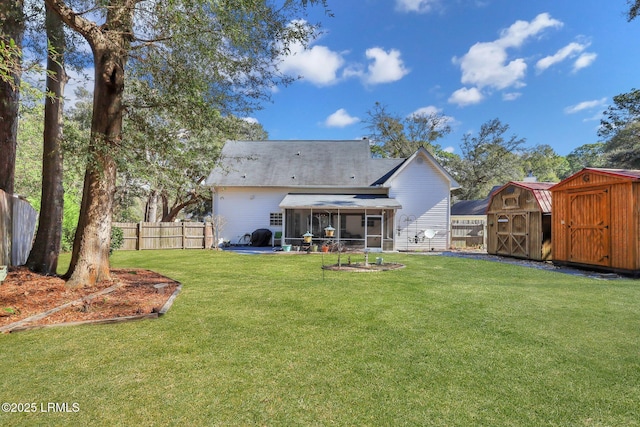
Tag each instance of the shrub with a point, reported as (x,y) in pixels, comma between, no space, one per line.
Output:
(117,239)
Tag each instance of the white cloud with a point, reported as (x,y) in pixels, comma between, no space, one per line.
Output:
(449,149)
(426,111)
(511,96)
(487,64)
(584,61)
(569,51)
(316,64)
(419,6)
(251,120)
(340,119)
(520,31)
(323,67)
(466,96)
(386,67)
(586,105)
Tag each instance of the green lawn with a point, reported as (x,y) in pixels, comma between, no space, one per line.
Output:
(271,340)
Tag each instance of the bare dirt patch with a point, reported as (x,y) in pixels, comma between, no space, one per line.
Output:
(131,292)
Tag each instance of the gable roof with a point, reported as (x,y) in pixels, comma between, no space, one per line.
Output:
(301,164)
(631,174)
(540,191)
(621,175)
(422,152)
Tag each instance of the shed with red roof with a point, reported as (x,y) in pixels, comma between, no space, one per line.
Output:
(519,220)
(596,215)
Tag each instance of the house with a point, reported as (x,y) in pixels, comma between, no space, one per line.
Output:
(519,220)
(298,187)
(596,220)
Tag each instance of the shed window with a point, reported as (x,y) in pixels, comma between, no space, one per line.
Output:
(275,218)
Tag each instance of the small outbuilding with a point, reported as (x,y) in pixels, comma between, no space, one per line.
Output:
(519,221)
(596,220)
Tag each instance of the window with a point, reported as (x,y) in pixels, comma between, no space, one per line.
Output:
(275,218)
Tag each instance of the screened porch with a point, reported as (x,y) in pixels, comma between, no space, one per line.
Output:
(353,221)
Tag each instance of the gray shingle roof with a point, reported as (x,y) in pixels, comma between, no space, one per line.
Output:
(301,163)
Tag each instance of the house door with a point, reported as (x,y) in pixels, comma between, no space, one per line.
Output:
(373,231)
(589,236)
(513,234)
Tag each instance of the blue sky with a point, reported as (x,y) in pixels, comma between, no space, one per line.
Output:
(547,68)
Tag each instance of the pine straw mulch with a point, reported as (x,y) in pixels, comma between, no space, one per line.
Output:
(130,294)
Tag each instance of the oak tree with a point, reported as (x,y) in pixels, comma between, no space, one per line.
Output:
(620,129)
(488,159)
(222,53)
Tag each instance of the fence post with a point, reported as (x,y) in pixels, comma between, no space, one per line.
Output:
(208,235)
(184,235)
(139,236)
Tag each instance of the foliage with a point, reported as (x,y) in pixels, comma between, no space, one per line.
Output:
(397,137)
(70,218)
(544,164)
(634,9)
(267,340)
(488,159)
(587,155)
(626,110)
(621,129)
(29,161)
(170,160)
(10,60)
(194,60)
(28,178)
(117,239)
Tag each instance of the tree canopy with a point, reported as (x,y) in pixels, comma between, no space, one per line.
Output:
(489,158)
(621,130)
(395,136)
(193,60)
(634,9)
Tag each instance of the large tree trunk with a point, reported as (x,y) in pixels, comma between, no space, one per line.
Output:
(90,256)
(110,45)
(11,28)
(43,257)
(151,213)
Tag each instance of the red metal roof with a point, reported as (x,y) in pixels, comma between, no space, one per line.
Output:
(624,173)
(540,191)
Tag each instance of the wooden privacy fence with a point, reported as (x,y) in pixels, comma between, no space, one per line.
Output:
(468,233)
(17,226)
(165,235)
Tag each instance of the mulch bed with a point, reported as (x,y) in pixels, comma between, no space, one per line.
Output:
(29,300)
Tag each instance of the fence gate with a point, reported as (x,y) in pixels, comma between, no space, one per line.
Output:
(513,234)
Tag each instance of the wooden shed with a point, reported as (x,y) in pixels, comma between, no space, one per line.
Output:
(519,221)
(595,220)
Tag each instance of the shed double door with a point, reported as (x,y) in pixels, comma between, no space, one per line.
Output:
(588,227)
(513,234)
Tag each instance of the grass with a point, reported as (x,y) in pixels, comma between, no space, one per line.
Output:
(272,340)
